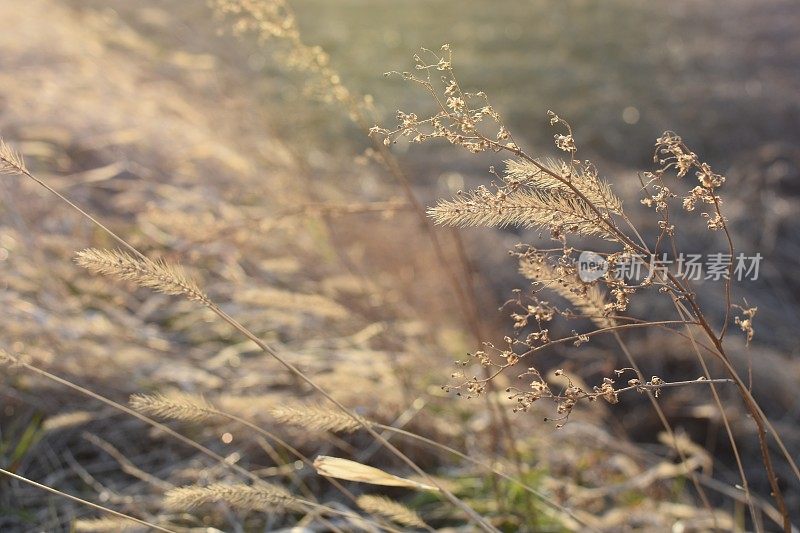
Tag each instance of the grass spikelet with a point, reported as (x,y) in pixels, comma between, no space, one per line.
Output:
(157,275)
(11,161)
(177,406)
(394,511)
(527,208)
(103,525)
(316,418)
(265,497)
(352,471)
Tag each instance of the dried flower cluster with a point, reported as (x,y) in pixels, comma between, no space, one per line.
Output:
(672,154)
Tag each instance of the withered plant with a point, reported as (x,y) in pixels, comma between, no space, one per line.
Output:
(567,200)
(564,198)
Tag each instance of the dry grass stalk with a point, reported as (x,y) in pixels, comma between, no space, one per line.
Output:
(177,405)
(158,275)
(394,511)
(126,464)
(265,497)
(316,418)
(339,468)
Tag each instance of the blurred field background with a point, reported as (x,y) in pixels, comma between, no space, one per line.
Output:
(203,148)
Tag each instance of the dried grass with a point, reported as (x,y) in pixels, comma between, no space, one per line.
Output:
(278,263)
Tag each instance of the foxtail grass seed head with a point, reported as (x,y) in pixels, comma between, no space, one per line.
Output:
(265,497)
(176,406)
(316,418)
(394,511)
(11,161)
(158,275)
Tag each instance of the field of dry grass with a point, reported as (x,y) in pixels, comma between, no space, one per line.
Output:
(334,316)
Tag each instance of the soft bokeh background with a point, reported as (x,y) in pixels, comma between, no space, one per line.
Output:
(201,147)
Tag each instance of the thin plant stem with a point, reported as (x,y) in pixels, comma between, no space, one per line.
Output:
(85,502)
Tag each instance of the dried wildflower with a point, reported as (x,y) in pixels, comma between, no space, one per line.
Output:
(565,143)
(745,322)
(708,178)
(714,221)
(607,392)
